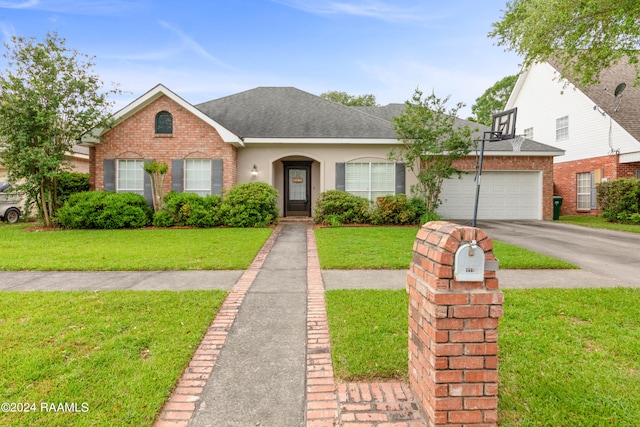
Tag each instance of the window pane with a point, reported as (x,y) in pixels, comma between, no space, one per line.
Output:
(584,191)
(197,176)
(383,177)
(164,123)
(297,184)
(562,128)
(370,180)
(357,177)
(130,176)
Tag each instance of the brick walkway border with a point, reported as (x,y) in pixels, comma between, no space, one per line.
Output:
(180,407)
(350,404)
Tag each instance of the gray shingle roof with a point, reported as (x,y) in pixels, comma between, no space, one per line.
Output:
(287,112)
(387,112)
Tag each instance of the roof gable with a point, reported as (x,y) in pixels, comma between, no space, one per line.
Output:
(625,110)
(152,95)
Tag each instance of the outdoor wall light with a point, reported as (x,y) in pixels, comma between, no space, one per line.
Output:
(254,171)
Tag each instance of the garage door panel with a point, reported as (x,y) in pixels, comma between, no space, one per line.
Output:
(503,195)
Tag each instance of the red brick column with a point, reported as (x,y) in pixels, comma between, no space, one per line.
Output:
(453,349)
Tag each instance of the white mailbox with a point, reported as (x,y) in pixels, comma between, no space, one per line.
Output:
(469,263)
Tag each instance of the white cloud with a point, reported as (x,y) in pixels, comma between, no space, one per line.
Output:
(193,46)
(76,7)
(19,5)
(398,11)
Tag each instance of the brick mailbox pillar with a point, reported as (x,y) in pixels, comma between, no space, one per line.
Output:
(453,337)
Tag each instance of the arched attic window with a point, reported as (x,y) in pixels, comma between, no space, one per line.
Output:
(164,123)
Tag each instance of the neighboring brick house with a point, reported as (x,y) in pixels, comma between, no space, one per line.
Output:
(302,145)
(599,131)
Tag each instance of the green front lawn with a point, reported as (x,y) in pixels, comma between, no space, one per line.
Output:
(598,222)
(567,357)
(129,250)
(116,355)
(348,248)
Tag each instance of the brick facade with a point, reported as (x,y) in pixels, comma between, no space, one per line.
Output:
(566,184)
(135,138)
(519,163)
(453,330)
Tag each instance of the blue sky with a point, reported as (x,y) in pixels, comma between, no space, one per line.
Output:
(207,49)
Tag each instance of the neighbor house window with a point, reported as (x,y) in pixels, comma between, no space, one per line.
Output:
(370,180)
(638,173)
(130,176)
(562,128)
(197,176)
(164,123)
(528,133)
(584,190)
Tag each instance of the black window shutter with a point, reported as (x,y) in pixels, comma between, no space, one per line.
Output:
(216,177)
(340,177)
(177,180)
(109,166)
(400,178)
(148,195)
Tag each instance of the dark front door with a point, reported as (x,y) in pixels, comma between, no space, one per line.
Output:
(297,188)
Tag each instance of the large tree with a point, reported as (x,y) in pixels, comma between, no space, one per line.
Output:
(366,100)
(581,37)
(493,100)
(48,98)
(431,142)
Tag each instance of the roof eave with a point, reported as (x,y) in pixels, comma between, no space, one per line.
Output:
(92,138)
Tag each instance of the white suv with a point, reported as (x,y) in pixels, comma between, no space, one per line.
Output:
(9,204)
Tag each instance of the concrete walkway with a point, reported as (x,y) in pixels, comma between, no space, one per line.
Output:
(259,378)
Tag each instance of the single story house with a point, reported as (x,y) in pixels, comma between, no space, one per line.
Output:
(302,145)
(598,127)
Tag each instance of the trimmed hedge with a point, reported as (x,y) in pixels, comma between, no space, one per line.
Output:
(250,205)
(100,209)
(189,209)
(398,210)
(620,200)
(336,207)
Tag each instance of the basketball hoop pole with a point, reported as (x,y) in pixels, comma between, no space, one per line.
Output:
(492,137)
(503,127)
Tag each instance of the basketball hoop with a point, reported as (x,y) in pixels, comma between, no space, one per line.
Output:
(516,143)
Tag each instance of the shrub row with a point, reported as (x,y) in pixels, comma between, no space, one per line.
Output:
(336,207)
(620,200)
(245,205)
(101,209)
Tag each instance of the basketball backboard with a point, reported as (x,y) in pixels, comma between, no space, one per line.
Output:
(503,125)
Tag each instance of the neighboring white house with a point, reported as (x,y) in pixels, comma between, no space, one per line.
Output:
(597,127)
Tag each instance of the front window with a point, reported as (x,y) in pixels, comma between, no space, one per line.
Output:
(584,191)
(562,128)
(130,176)
(164,123)
(370,180)
(197,176)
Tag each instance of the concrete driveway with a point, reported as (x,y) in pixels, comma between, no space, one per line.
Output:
(610,256)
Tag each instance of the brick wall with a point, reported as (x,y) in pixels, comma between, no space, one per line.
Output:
(519,163)
(565,178)
(453,336)
(135,138)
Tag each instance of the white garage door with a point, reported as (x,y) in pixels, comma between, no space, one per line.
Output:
(503,195)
